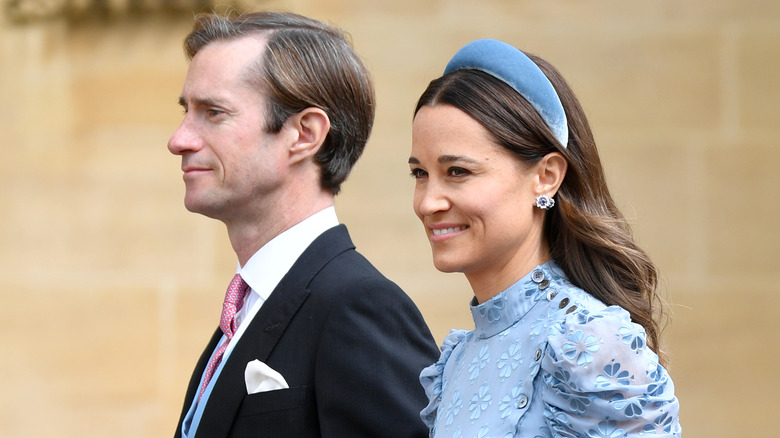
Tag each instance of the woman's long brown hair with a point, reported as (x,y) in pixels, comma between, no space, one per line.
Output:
(588,236)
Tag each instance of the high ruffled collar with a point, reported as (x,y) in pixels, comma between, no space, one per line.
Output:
(507,308)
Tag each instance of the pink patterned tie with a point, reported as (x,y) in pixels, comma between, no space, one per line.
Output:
(234,300)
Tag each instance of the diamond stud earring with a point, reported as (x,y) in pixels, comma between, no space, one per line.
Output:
(544,202)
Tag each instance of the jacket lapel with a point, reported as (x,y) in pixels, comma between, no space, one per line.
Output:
(194,385)
(265,330)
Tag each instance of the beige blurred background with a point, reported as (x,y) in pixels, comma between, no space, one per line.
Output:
(109,289)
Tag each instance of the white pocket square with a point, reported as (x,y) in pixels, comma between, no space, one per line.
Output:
(259,377)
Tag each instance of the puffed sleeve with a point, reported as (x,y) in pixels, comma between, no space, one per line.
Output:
(431,377)
(603,381)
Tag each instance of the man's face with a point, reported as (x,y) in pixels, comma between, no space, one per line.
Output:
(232,167)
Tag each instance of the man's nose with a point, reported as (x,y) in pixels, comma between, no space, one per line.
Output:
(184,139)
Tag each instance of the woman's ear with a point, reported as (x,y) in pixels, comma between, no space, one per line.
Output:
(311,126)
(551,170)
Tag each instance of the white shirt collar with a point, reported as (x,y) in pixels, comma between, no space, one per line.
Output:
(265,269)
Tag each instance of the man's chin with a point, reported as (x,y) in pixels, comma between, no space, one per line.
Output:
(200,207)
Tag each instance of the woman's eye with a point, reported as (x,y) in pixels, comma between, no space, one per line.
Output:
(418,173)
(457,171)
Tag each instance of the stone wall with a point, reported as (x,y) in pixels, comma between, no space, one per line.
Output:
(110,289)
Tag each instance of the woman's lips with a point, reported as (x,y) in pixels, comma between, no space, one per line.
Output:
(446,231)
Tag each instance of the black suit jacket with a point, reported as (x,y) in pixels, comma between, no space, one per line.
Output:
(349,342)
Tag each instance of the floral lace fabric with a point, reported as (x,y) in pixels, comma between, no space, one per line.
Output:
(548,360)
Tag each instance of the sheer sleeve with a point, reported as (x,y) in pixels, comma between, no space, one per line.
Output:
(603,381)
(431,377)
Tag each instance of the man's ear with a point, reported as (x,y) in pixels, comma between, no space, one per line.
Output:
(310,127)
(551,170)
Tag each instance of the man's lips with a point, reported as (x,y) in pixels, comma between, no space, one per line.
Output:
(194,170)
(188,169)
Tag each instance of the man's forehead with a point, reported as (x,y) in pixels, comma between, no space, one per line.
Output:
(252,44)
(223,63)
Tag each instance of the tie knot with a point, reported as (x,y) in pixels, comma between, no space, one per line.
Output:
(236,291)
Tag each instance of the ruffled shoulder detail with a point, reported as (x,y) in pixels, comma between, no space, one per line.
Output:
(431,377)
(603,380)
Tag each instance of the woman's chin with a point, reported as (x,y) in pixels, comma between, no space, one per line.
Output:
(447,266)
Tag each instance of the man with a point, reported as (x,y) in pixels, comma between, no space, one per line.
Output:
(313,340)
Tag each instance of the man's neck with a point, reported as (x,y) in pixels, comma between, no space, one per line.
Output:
(248,236)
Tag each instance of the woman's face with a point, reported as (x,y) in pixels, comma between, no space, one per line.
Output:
(475,200)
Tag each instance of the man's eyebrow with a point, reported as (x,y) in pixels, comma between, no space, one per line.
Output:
(201,101)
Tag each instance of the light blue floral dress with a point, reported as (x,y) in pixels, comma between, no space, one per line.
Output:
(546,359)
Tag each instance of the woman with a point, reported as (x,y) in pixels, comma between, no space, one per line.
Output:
(511,193)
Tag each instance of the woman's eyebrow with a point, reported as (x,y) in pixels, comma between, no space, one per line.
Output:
(445,159)
(453,158)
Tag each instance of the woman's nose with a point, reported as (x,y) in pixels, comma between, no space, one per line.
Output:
(430,199)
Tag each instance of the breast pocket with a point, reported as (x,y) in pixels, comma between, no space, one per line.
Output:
(274,401)
(280,413)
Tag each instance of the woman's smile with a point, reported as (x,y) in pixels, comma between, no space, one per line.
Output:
(440,233)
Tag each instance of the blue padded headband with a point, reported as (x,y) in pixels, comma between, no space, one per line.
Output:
(513,67)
